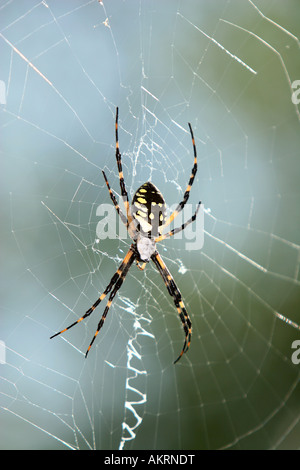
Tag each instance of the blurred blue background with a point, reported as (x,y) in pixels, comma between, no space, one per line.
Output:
(228,68)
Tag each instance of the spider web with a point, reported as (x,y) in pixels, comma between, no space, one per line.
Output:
(230,68)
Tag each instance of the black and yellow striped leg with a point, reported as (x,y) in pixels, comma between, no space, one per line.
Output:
(188,189)
(121,176)
(175,293)
(141,267)
(179,229)
(113,281)
(115,202)
(130,259)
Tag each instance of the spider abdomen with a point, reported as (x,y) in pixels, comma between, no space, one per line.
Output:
(148,210)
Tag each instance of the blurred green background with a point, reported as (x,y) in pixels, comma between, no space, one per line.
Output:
(227,67)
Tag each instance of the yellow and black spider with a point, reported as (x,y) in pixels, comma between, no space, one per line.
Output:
(145,222)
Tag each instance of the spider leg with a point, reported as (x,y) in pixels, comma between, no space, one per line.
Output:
(121,176)
(175,293)
(141,267)
(112,196)
(118,284)
(113,281)
(187,192)
(179,229)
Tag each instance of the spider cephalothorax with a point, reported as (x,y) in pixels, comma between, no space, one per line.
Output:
(145,248)
(145,221)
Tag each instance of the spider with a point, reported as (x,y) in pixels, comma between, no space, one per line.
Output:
(145,221)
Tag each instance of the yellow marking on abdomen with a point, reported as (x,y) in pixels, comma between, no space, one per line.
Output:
(140,206)
(143,214)
(142,200)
